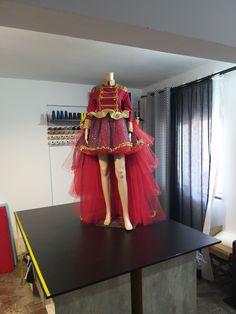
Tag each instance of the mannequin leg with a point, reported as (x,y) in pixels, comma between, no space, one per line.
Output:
(106,187)
(122,187)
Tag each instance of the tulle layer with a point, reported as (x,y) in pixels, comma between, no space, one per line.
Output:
(110,136)
(144,206)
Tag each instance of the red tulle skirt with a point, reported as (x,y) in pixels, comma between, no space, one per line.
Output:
(108,136)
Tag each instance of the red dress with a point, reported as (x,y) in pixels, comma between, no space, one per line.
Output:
(109,119)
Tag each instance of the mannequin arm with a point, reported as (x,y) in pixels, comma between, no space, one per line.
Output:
(86,135)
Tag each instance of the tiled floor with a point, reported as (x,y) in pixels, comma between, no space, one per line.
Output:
(17,299)
(210,297)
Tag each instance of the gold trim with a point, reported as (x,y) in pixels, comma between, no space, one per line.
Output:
(108,105)
(116,99)
(124,88)
(101,96)
(129,144)
(99,99)
(116,115)
(108,86)
(96,88)
(108,91)
(111,110)
(107,97)
(101,86)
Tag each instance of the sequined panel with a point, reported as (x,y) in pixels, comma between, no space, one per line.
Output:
(107,132)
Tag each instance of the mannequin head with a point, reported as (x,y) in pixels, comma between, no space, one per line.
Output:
(109,79)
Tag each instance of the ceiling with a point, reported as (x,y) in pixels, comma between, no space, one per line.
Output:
(40,56)
(211,20)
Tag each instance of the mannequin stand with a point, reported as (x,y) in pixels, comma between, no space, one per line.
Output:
(115,223)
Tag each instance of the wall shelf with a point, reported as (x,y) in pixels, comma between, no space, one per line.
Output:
(62,132)
(64,122)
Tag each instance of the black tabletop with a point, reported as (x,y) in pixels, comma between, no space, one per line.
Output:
(69,255)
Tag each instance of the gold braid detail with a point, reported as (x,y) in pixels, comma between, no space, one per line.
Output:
(129,144)
(116,115)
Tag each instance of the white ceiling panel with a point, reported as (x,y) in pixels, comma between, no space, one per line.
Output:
(40,56)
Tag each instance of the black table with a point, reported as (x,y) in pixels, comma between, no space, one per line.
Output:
(68,255)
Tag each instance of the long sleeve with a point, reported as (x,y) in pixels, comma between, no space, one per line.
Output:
(128,106)
(91,107)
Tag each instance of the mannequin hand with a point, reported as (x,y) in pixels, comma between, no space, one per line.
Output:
(86,135)
(130,137)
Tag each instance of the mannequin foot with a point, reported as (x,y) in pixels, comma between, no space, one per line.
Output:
(107,220)
(128,225)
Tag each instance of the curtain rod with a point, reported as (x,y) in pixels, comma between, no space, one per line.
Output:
(153,93)
(207,77)
(198,80)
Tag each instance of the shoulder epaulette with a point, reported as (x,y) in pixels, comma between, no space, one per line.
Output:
(122,87)
(96,88)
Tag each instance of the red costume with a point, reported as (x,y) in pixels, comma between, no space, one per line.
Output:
(109,120)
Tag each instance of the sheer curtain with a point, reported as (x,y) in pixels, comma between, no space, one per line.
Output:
(228,100)
(191,113)
(223,151)
(214,206)
(216,148)
(222,196)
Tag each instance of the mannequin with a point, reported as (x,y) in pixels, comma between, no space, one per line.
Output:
(119,161)
(113,162)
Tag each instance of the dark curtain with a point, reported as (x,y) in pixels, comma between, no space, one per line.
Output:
(155,110)
(191,114)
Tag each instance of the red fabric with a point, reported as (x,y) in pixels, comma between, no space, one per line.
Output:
(144,206)
(110,136)
(103,97)
(6,256)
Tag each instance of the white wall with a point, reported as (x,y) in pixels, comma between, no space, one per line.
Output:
(25,180)
(196,73)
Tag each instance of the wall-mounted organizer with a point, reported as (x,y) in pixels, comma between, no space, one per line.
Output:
(64,122)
